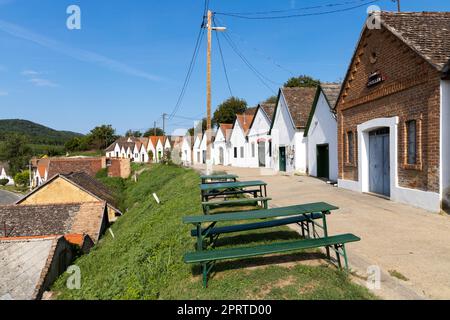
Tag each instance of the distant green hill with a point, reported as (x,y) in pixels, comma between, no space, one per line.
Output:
(37,134)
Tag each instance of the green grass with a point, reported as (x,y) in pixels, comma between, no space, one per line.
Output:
(144,260)
(15,189)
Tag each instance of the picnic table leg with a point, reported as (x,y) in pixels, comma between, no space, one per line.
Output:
(265,191)
(345,257)
(199,237)
(338,256)
(325,230)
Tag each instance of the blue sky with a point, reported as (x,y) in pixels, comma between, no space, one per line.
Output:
(127,64)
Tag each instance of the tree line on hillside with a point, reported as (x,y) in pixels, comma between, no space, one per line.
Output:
(227,110)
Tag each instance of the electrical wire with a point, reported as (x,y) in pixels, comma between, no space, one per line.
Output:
(259,52)
(223,63)
(258,74)
(251,17)
(191,64)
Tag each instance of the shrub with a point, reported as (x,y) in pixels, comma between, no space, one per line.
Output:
(22,178)
(4,182)
(103,173)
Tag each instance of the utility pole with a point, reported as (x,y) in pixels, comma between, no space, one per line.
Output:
(154,128)
(164,123)
(208,84)
(398,5)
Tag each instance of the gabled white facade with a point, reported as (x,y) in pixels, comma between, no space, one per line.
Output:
(259,141)
(322,139)
(285,136)
(221,149)
(159,150)
(167,145)
(186,151)
(152,148)
(239,145)
(197,151)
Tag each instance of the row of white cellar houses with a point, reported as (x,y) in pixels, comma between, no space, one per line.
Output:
(297,134)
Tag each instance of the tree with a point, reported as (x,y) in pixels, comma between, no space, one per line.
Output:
(227,110)
(154,132)
(73,144)
(133,133)
(271,100)
(102,136)
(16,152)
(302,81)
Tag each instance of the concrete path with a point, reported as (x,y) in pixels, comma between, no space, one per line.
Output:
(7,197)
(395,237)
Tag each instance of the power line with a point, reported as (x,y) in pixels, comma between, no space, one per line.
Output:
(258,74)
(223,63)
(192,63)
(259,52)
(296,9)
(251,17)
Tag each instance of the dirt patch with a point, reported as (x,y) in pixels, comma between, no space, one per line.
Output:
(308,287)
(280,284)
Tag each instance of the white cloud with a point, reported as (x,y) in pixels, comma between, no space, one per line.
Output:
(30,73)
(79,54)
(39,82)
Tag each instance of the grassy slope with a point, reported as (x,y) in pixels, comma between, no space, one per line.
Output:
(144,260)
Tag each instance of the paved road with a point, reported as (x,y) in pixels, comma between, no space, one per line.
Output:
(395,237)
(7,197)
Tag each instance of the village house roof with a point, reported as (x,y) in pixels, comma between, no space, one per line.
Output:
(85,183)
(24,265)
(54,166)
(245,120)
(427,33)
(93,186)
(226,129)
(299,101)
(154,140)
(268,108)
(55,219)
(128,142)
(331,92)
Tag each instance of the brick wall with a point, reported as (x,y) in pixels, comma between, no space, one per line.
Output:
(410,90)
(119,168)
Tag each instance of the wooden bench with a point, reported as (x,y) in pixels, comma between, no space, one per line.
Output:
(207,205)
(208,257)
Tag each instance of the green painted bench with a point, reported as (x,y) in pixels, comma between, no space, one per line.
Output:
(257,225)
(218,178)
(207,258)
(221,189)
(208,205)
(206,229)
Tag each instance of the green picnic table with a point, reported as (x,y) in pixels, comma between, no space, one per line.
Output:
(214,190)
(304,215)
(218,178)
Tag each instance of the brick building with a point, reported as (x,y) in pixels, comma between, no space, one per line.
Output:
(394,110)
